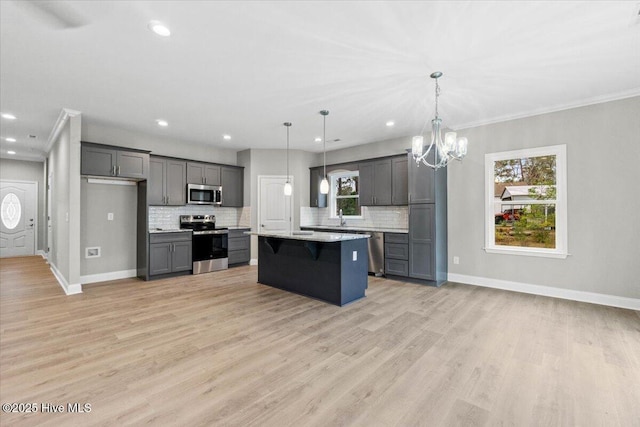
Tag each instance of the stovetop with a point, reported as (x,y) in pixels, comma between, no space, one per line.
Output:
(199,223)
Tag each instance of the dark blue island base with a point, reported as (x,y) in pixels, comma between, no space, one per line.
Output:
(323,270)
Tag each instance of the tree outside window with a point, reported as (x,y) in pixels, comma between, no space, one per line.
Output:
(344,194)
(526,201)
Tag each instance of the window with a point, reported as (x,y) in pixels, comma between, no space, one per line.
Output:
(343,194)
(526,202)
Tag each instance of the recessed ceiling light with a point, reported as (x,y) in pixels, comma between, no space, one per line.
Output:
(227,137)
(390,123)
(10,139)
(11,152)
(318,139)
(162,123)
(159,28)
(8,116)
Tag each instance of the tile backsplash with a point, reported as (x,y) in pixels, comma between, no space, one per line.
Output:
(372,216)
(168,217)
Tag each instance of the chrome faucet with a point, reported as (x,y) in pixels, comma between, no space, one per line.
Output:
(342,221)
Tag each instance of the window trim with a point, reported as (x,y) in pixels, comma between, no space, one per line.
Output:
(332,197)
(561,249)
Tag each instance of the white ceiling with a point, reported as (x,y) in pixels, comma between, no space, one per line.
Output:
(244,68)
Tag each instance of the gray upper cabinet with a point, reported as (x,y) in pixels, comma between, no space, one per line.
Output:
(375,183)
(203,173)
(156,184)
(232,179)
(167,182)
(97,160)
(316,200)
(421,181)
(103,160)
(399,181)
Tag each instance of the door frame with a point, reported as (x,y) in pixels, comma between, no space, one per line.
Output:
(35,207)
(291,209)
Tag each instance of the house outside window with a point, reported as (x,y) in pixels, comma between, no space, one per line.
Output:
(344,194)
(526,202)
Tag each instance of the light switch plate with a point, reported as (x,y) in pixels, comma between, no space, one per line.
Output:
(355,255)
(110,216)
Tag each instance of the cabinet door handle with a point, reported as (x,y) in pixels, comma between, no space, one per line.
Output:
(118,170)
(168,199)
(113,172)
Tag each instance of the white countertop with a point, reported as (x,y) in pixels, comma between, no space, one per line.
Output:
(349,228)
(168,230)
(311,236)
(181,230)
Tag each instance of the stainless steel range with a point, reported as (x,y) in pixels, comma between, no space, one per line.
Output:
(210,244)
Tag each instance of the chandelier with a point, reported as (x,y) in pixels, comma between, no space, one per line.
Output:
(444,151)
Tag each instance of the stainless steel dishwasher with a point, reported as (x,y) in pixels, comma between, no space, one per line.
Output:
(376,252)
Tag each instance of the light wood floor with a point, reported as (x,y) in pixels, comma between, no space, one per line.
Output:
(221,350)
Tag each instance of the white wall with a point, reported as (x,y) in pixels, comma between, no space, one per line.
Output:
(388,147)
(102,134)
(64,162)
(20,170)
(115,238)
(273,162)
(603,154)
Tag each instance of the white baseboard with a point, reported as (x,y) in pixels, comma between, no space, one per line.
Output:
(253,261)
(103,277)
(69,289)
(43,254)
(570,294)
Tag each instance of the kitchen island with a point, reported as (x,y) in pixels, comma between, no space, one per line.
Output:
(331,267)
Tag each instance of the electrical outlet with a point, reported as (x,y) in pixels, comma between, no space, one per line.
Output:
(110,216)
(355,255)
(456,260)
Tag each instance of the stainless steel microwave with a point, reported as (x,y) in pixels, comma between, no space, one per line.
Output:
(204,194)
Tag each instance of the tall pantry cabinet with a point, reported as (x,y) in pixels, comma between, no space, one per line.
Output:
(427,222)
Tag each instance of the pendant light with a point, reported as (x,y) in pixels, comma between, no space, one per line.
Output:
(452,148)
(324,185)
(287,185)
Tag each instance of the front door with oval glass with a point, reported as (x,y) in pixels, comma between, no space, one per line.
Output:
(17,218)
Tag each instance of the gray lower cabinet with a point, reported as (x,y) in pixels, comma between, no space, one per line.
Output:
(203,173)
(105,160)
(239,246)
(167,182)
(421,241)
(169,253)
(232,179)
(396,254)
(316,199)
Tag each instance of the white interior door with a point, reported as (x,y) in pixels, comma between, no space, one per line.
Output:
(274,208)
(17,218)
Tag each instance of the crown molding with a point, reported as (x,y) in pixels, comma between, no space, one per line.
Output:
(583,103)
(64,115)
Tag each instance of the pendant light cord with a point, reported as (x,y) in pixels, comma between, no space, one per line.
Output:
(288,153)
(324,143)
